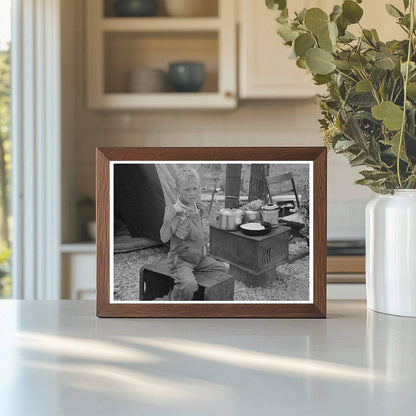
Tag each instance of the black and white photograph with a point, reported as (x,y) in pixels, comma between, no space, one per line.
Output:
(211,232)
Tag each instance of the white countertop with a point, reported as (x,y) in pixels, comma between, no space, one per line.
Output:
(57,359)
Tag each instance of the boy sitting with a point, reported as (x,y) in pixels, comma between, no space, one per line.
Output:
(182,225)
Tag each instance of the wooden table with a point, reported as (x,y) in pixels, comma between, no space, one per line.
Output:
(253,260)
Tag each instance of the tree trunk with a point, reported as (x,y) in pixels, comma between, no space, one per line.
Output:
(232,185)
(3,195)
(258,185)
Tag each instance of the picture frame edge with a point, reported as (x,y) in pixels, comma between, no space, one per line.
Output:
(104,309)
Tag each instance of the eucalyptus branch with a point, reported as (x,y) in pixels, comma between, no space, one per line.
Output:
(369,41)
(392,90)
(373,89)
(346,75)
(406,79)
(397,95)
(368,63)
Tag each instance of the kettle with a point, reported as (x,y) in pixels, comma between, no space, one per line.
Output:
(270,213)
(230,218)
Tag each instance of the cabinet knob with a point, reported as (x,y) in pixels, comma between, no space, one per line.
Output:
(229,94)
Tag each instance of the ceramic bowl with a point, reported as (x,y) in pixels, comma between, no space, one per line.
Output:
(135,8)
(186,76)
(147,80)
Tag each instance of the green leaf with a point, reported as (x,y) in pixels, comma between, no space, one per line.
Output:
(358,160)
(301,63)
(394,144)
(303,43)
(343,145)
(385,63)
(286,32)
(333,32)
(390,113)
(381,89)
(276,4)
(363,86)
(353,130)
(342,25)
(351,11)
(412,67)
(334,91)
(319,61)
(325,43)
(358,61)
(321,79)
(406,4)
(368,36)
(361,99)
(364,181)
(316,20)
(343,65)
(375,35)
(393,11)
(347,37)
(374,175)
(300,17)
(336,12)
(396,70)
(411,90)
(374,150)
(377,74)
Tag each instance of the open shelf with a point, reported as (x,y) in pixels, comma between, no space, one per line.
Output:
(127,51)
(116,46)
(160,24)
(211,9)
(80,247)
(195,101)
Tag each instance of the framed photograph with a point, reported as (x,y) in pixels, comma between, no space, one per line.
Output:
(211,232)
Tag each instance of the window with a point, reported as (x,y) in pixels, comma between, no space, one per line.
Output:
(5,144)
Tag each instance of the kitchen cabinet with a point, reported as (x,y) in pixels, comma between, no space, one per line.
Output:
(265,70)
(118,45)
(78,263)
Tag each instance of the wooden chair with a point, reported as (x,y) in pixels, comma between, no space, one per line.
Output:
(293,220)
(274,188)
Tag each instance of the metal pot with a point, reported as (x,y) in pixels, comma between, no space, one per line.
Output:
(270,213)
(230,218)
(252,216)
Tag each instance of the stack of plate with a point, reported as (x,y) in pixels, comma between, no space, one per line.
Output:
(147,80)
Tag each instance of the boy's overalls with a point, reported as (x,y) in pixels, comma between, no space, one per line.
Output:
(188,254)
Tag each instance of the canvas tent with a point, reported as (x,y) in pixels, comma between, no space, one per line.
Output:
(141,192)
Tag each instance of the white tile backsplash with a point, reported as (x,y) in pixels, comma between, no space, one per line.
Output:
(256,123)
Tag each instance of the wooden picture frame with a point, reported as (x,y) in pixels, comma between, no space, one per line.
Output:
(315,307)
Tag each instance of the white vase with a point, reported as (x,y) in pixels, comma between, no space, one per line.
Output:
(391,253)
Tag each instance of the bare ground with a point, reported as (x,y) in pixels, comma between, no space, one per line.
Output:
(292,278)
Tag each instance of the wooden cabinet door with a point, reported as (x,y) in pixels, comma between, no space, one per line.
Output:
(265,68)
